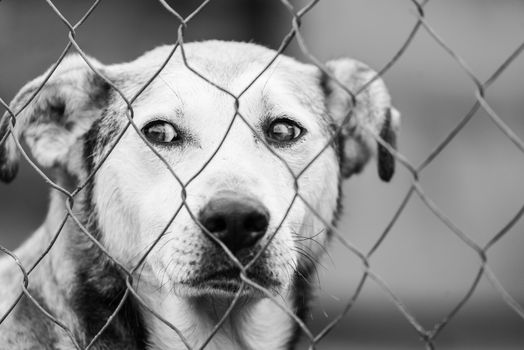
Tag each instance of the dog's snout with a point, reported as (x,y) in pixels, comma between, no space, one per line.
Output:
(237,220)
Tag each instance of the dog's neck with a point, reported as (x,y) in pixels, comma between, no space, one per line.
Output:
(251,324)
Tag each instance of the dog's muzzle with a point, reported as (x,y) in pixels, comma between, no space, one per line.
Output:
(235,219)
(239,222)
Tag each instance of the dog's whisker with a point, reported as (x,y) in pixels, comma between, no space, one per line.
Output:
(314,261)
(323,248)
(147,246)
(304,278)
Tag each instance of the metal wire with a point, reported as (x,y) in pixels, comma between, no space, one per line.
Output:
(427,335)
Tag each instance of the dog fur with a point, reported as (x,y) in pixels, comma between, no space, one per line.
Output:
(76,118)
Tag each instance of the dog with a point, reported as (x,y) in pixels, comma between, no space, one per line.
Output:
(294,129)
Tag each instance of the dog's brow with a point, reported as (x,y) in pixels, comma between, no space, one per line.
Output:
(272,69)
(172,90)
(305,95)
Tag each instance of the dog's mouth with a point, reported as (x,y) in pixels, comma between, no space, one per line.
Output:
(229,283)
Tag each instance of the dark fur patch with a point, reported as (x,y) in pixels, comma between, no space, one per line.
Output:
(100,95)
(8,169)
(33,326)
(57,111)
(325,84)
(302,287)
(100,284)
(95,142)
(99,289)
(90,147)
(386,160)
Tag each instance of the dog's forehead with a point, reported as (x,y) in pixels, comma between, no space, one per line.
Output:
(230,65)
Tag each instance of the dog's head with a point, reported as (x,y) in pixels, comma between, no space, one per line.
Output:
(273,180)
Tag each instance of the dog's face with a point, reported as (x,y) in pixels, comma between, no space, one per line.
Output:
(216,183)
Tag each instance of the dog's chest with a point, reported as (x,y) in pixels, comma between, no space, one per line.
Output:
(262,325)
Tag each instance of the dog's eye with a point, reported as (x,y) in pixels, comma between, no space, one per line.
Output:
(160,131)
(284,130)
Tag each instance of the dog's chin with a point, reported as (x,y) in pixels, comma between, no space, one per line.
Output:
(218,289)
(227,285)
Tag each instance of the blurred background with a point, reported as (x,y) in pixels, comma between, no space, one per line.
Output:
(477,180)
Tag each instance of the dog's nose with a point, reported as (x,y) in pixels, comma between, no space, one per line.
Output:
(237,220)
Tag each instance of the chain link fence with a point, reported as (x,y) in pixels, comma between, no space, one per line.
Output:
(312,340)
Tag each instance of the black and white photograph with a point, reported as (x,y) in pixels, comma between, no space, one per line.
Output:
(261,175)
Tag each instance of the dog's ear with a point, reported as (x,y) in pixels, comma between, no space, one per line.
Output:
(373,113)
(59,115)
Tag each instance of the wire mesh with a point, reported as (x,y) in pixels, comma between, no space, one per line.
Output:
(313,340)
